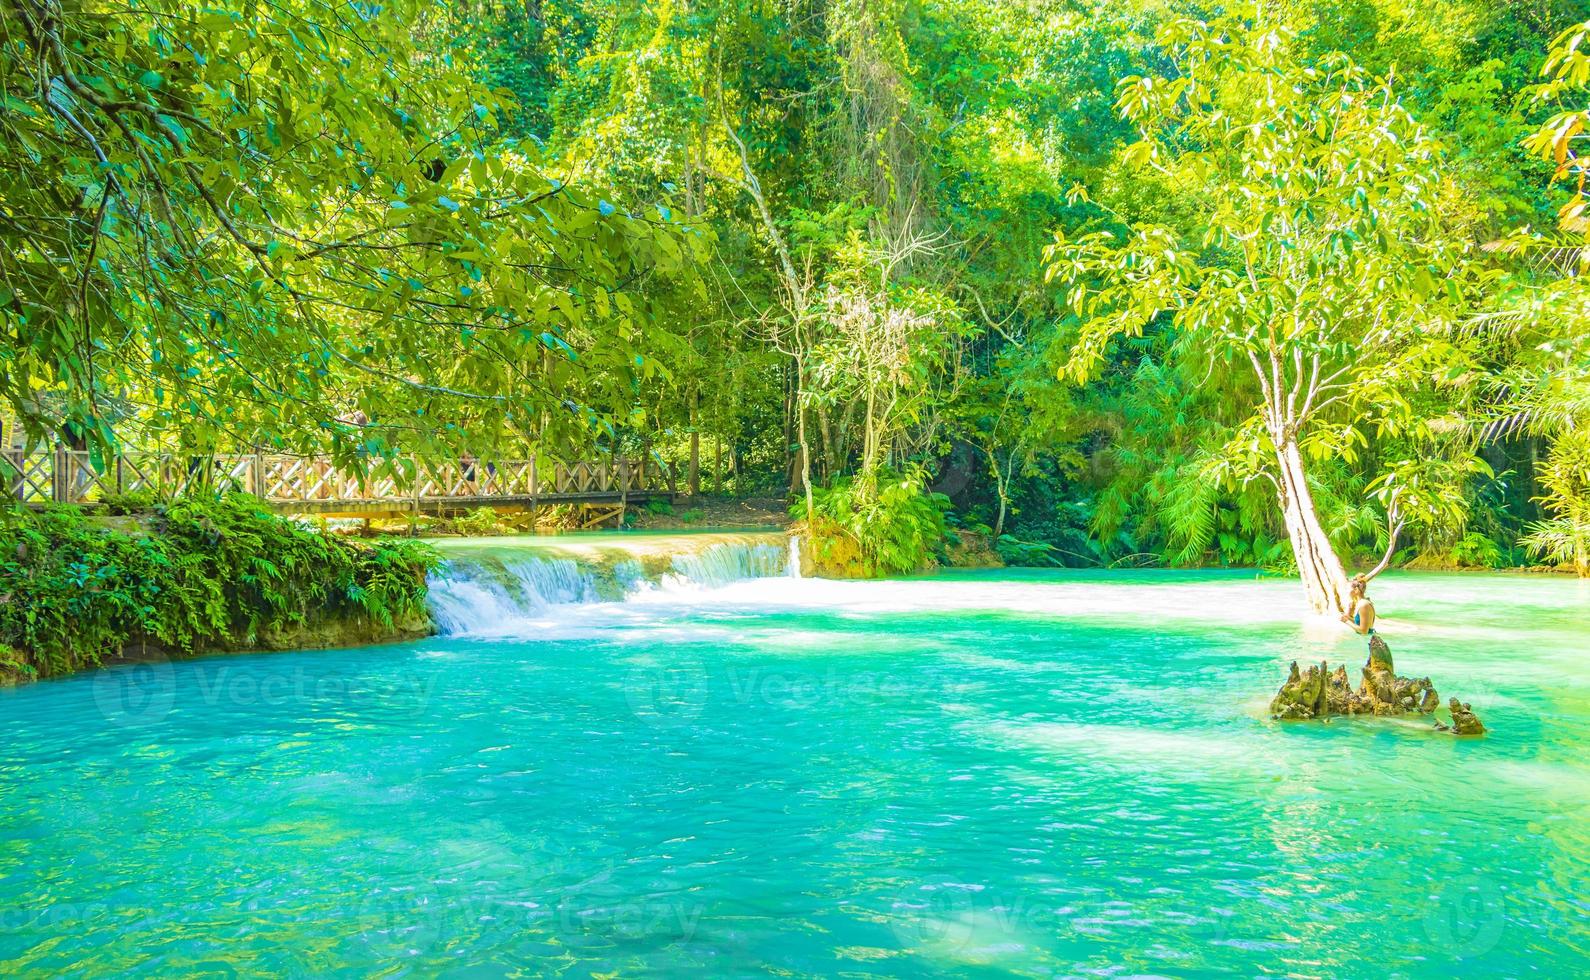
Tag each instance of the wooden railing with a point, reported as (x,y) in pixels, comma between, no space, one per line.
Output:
(69,476)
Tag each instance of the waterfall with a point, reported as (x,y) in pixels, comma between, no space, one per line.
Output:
(794,556)
(722,564)
(489,586)
(469,595)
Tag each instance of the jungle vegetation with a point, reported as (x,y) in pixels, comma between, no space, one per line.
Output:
(193,576)
(1296,284)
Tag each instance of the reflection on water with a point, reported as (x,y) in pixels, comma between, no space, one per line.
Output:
(1031,773)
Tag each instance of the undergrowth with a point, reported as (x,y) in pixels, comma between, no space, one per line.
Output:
(896,529)
(189,575)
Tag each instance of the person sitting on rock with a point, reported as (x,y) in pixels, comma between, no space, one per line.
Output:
(1360,610)
(1361,619)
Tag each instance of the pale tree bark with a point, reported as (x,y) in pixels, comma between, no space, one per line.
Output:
(797,289)
(1324,579)
(1292,394)
(805,445)
(829,445)
(1394,528)
(1002,486)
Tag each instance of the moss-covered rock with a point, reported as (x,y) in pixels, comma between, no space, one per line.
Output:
(1464,720)
(1318,692)
(193,576)
(971,549)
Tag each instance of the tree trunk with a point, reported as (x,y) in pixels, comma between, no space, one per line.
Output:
(791,395)
(830,451)
(805,444)
(1002,485)
(867,478)
(1324,581)
(693,471)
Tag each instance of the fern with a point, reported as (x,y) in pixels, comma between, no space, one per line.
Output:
(896,529)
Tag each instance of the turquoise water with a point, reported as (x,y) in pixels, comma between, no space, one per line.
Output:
(1000,773)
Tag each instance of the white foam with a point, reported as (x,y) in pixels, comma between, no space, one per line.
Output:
(490,594)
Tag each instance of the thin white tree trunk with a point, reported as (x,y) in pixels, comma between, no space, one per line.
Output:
(805,445)
(1324,580)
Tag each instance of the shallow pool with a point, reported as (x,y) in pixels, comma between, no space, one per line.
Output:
(1031,773)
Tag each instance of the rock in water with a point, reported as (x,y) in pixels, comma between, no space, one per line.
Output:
(1303,694)
(1319,692)
(1378,651)
(1464,720)
(1339,694)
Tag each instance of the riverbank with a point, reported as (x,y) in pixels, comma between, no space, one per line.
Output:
(193,577)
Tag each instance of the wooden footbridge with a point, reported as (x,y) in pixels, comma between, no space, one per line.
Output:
(600,488)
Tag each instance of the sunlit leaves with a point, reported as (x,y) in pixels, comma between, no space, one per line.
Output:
(1561,139)
(295,213)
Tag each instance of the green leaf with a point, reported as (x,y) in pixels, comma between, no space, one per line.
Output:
(172,126)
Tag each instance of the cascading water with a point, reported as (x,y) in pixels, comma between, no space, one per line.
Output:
(467,594)
(722,564)
(493,586)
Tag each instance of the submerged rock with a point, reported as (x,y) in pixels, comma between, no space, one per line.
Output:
(1464,720)
(1319,693)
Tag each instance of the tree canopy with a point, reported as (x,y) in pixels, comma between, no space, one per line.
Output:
(242,223)
(1287,284)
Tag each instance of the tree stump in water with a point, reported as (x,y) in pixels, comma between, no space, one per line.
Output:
(1319,692)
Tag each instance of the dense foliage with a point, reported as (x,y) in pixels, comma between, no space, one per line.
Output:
(241,224)
(893,527)
(195,575)
(1294,284)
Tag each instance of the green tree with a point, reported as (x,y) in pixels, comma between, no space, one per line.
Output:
(1324,280)
(247,221)
(1547,385)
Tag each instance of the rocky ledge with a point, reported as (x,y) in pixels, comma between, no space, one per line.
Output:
(1319,692)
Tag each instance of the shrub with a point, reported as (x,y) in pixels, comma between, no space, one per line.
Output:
(1029,553)
(479,522)
(897,529)
(195,574)
(1475,550)
(1563,538)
